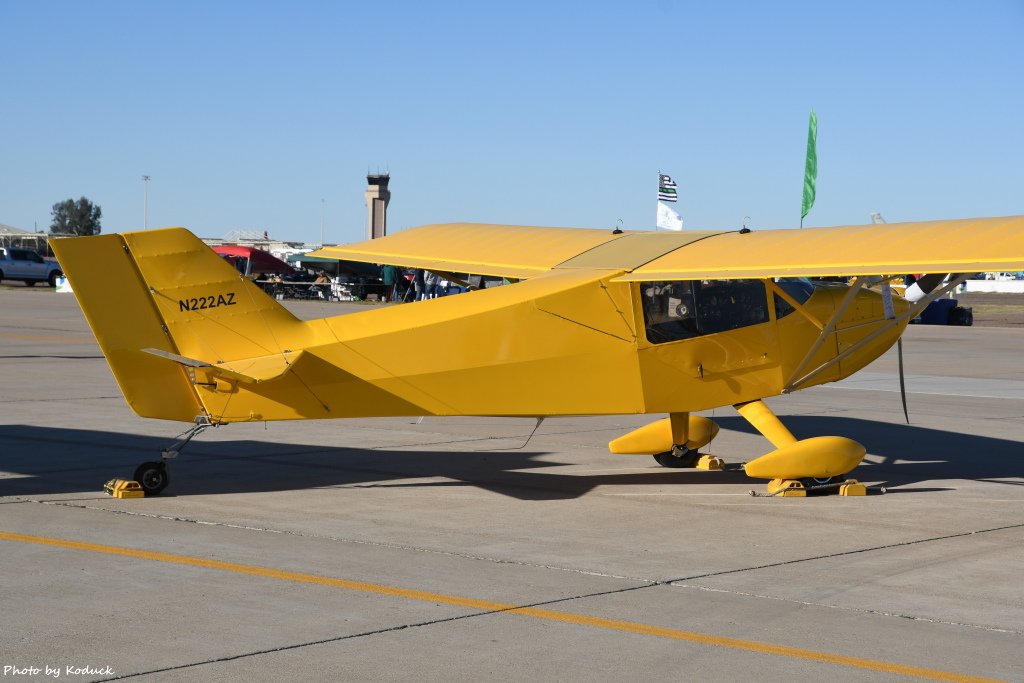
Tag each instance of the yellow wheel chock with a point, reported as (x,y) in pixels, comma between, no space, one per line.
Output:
(121,488)
(787,488)
(792,488)
(710,462)
(852,487)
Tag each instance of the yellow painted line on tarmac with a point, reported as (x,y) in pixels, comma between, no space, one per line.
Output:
(5,335)
(487,605)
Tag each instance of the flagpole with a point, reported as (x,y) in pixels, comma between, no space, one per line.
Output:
(657,206)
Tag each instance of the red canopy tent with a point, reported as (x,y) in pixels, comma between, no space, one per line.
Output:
(250,260)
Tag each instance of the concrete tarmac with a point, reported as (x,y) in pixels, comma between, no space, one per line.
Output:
(453,549)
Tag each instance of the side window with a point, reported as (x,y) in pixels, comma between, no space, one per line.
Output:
(724,305)
(799,288)
(18,255)
(668,311)
(677,310)
(32,256)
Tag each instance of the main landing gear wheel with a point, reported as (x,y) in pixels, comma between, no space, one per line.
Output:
(679,456)
(152,477)
(812,483)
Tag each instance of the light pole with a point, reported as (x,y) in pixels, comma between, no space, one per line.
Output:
(145,202)
(322,208)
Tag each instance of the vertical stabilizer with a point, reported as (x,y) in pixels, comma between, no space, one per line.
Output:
(166,290)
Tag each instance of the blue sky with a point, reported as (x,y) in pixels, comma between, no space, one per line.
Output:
(247,114)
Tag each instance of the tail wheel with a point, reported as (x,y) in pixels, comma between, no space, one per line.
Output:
(152,477)
(53,278)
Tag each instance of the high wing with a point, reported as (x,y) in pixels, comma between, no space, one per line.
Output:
(955,246)
(511,251)
(951,246)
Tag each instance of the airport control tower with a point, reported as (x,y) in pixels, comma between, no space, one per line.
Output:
(377,197)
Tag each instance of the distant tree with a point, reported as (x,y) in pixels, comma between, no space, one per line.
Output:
(76,218)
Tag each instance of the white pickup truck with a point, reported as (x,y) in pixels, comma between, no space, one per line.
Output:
(27,266)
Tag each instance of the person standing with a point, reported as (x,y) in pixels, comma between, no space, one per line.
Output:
(389,274)
(418,284)
(431,282)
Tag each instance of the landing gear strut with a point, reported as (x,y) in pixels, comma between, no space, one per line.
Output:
(795,467)
(153,476)
(689,433)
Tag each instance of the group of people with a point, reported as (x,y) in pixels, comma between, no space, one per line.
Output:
(300,284)
(416,285)
(395,285)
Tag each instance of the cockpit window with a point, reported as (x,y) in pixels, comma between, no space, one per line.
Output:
(683,309)
(800,288)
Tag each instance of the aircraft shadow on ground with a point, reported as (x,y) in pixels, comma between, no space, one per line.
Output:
(48,461)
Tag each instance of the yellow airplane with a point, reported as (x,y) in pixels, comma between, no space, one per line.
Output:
(594,322)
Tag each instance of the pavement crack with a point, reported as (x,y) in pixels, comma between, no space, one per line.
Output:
(364,634)
(843,553)
(873,612)
(293,646)
(58,399)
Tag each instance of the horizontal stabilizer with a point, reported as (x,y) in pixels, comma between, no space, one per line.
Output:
(249,370)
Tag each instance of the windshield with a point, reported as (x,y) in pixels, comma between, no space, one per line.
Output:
(799,288)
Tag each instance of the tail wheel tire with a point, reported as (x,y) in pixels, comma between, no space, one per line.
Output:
(152,477)
(53,279)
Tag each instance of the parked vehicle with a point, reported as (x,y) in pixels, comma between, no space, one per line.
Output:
(28,266)
(946,312)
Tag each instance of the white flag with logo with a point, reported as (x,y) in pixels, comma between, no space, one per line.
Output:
(668,219)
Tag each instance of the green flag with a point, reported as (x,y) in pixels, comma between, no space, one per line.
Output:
(811,167)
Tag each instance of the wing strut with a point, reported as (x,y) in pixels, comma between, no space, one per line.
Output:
(909,314)
(829,329)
